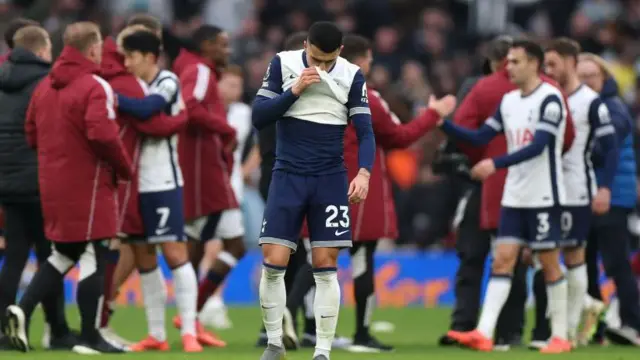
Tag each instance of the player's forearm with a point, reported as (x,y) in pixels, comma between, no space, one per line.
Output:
(143,108)
(541,139)
(266,111)
(403,135)
(206,120)
(479,137)
(366,141)
(609,146)
(162,125)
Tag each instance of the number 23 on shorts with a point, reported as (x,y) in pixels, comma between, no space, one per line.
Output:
(338,217)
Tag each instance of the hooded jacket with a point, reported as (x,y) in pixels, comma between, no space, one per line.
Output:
(206,165)
(623,189)
(71,121)
(132,132)
(19,76)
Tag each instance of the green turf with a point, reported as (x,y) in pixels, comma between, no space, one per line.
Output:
(415,336)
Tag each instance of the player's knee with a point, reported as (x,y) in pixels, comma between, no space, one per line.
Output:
(235,247)
(276,255)
(175,254)
(505,258)
(324,257)
(574,256)
(145,256)
(550,262)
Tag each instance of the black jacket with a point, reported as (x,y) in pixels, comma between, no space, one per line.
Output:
(19,76)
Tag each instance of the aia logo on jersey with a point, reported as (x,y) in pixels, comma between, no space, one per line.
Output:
(519,137)
(365,98)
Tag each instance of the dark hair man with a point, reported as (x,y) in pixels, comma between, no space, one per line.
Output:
(206,157)
(79,216)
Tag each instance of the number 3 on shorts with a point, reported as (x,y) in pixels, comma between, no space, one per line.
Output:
(333,211)
(543,225)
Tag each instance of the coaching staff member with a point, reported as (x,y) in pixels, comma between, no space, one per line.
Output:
(71,121)
(27,64)
(478,105)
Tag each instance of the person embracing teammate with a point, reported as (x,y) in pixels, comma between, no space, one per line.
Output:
(311,94)
(71,121)
(533,117)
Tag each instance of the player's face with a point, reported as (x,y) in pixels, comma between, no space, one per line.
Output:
(231,87)
(137,63)
(221,49)
(555,66)
(520,67)
(319,58)
(590,73)
(95,52)
(364,62)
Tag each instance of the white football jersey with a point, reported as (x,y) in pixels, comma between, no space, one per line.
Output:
(590,119)
(158,162)
(239,116)
(537,182)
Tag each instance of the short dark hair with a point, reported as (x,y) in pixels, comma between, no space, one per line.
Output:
(326,36)
(145,42)
(499,47)
(565,47)
(531,48)
(295,41)
(354,46)
(13,28)
(146,20)
(205,33)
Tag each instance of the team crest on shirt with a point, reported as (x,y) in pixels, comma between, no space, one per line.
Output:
(365,98)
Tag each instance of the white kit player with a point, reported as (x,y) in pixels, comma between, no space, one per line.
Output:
(533,119)
(160,197)
(584,195)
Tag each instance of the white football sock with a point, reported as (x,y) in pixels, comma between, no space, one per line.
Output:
(154,292)
(273,299)
(577,284)
(497,293)
(558,307)
(326,307)
(186,290)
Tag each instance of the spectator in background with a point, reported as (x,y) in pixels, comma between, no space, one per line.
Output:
(609,235)
(28,63)
(13,27)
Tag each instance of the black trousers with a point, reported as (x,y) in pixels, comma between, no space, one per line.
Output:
(24,230)
(610,238)
(473,245)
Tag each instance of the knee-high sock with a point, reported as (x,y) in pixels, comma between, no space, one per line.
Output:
(557,295)
(577,284)
(494,300)
(110,269)
(327,307)
(222,266)
(154,293)
(186,286)
(273,298)
(89,296)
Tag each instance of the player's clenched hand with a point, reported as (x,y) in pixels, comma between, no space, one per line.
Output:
(483,169)
(444,106)
(601,202)
(308,77)
(359,187)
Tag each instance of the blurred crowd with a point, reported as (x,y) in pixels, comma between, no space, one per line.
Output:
(422,47)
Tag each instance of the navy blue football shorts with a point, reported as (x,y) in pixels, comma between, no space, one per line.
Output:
(322,199)
(162,216)
(575,222)
(537,228)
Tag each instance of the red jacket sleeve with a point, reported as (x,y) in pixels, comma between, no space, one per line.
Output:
(390,133)
(102,129)
(161,124)
(195,84)
(468,116)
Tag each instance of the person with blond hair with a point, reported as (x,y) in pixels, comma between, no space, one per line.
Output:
(71,122)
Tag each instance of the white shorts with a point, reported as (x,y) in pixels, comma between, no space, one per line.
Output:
(230,225)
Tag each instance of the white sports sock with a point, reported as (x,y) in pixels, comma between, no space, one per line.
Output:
(577,284)
(326,307)
(497,293)
(154,292)
(558,307)
(273,299)
(186,289)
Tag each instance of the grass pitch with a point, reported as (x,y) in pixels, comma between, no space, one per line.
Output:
(415,337)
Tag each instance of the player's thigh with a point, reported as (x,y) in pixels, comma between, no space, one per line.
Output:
(545,230)
(328,216)
(511,236)
(575,223)
(285,210)
(163,216)
(231,225)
